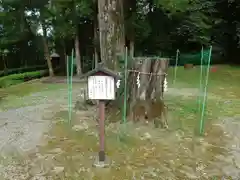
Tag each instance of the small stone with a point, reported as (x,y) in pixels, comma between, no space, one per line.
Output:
(56,151)
(147,136)
(80,106)
(58,169)
(145,154)
(80,127)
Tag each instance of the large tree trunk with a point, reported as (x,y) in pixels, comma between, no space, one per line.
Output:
(78,57)
(96,43)
(46,50)
(4,65)
(130,7)
(63,56)
(131,52)
(112,35)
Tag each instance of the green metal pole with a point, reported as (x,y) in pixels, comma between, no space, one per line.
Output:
(68,85)
(205,93)
(200,82)
(176,66)
(125,87)
(70,88)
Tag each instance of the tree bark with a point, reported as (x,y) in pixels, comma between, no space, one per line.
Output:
(102,21)
(62,52)
(78,57)
(130,14)
(46,50)
(152,74)
(96,43)
(131,48)
(112,35)
(4,65)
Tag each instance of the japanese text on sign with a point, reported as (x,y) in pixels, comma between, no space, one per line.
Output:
(101,87)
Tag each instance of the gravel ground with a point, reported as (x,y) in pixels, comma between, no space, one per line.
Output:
(231,127)
(22,129)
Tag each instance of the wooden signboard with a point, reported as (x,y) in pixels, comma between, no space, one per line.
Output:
(101,88)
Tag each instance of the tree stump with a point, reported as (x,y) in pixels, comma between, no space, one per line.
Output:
(152,73)
(188,66)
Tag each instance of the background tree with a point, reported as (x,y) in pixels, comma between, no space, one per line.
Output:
(146,27)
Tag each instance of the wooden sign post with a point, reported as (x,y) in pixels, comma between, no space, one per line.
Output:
(101,87)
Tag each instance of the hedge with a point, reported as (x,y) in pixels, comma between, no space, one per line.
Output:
(22,70)
(22,77)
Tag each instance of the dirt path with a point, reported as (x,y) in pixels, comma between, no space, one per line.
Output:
(22,129)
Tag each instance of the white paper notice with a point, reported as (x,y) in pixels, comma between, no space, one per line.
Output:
(101,87)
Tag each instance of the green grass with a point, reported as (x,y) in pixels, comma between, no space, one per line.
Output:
(24,89)
(223,82)
(222,88)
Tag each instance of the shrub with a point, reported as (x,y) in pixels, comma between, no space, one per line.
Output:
(23,70)
(22,77)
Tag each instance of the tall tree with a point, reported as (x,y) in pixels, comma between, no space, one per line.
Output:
(112,31)
(39,18)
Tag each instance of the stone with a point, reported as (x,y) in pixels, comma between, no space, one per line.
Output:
(101,164)
(80,127)
(58,170)
(146,136)
(56,151)
(80,106)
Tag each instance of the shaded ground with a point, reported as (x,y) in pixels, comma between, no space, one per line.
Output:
(136,151)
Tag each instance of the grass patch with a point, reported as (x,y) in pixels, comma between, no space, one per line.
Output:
(223,99)
(222,82)
(168,156)
(28,88)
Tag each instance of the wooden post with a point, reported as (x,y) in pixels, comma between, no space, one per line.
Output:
(101,130)
(101,88)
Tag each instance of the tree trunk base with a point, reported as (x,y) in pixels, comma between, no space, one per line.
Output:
(144,100)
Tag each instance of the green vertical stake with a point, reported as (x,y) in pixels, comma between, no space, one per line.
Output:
(200,82)
(68,83)
(175,67)
(124,119)
(205,93)
(70,88)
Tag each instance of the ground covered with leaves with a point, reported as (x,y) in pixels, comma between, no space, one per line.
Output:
(64,150)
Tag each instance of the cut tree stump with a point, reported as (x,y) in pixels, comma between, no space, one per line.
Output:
(152,72)
(188,66)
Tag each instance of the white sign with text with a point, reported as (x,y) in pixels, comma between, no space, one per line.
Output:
(101,88)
